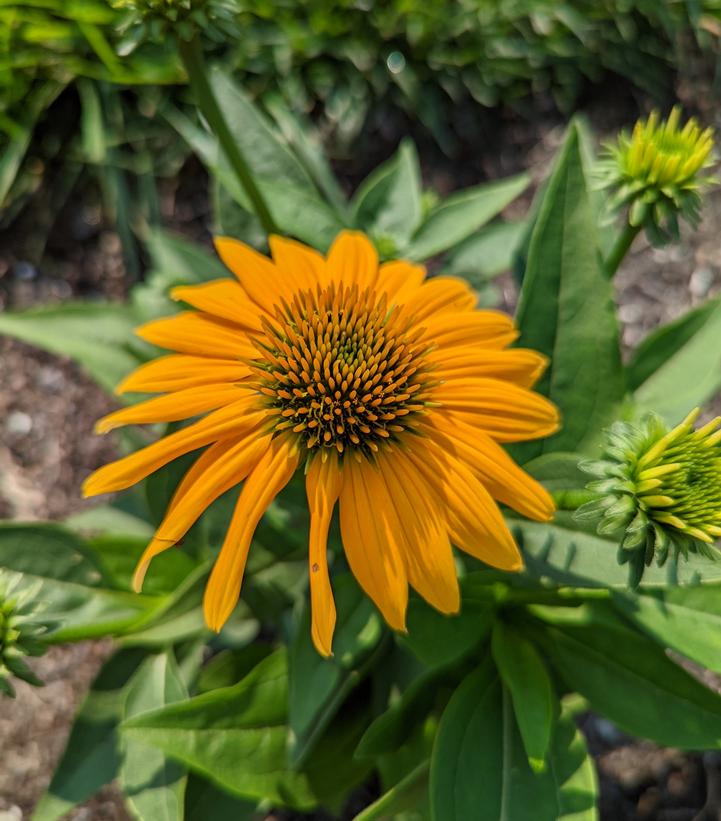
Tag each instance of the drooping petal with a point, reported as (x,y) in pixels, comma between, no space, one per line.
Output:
(352,259)
(298,263)
(400,279)
(257,274)
(370,547)
(230,421)
(483,329)
(503,410)
(519,365)
(475,523)
(323,485)
(176,372)
(501,476)
(199,335)
(415,518)
(270,475)
(223,298)
(216,471)
(174,406)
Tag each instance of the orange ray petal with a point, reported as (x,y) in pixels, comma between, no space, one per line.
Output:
(400,279)
(232,420)
(503,410)
(484,329)
(173,407)
(323,485)
(475,523)
(178,371)
(421,533)
(216,471)
(502,477)
(519,365)
(270,475)
(198,334)
(258,275)
(440,296)
(303,266)
(352,259)
(223,298)
(372,552)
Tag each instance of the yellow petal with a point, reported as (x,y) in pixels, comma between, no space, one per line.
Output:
(232,420)
(483,329)
(216,471)
(475,523)
(400,279)
(519,365)
(223,298)
(198,334)
(505,411)
(421,533)
(323,484)
(440,296)
(501,476)
(270,475)
(352,259)
(297,263)
(173,407)
(177,371)
(372,552)
(257,274)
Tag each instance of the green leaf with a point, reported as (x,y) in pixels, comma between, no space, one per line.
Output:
(406,794)
(566,310)
(70,581)
(527,679)
(154,786)
(628,678)
(479,768)
(486,254)
(95,335)
(319,686)
(663,343)
(107,519)
(464,212)
(439,640)
(91,758)
(236,736)
(205,802)
(687,619)
(182,260)
(388,201)
(691,374)
(570,553)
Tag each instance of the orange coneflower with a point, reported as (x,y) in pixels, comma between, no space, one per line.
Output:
(390,390)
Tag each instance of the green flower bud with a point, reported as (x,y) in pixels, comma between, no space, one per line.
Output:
(22,632)
(155,20)
(659,490)
(659,173)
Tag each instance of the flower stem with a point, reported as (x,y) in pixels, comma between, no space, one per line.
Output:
(620,248)
(192,55)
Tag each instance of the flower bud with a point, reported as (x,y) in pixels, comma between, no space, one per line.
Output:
(659,490)
(659,173)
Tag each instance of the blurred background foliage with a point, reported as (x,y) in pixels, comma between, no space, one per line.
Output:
(84,98)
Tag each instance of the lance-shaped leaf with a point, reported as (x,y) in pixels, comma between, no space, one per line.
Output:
(566,310)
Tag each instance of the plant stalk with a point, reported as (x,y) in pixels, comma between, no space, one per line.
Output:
(620,248)
(192,56)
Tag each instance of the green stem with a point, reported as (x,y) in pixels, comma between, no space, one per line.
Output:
(620,248)
(192,56)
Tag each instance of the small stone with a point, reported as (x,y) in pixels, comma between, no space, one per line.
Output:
(701,282)
(19,423)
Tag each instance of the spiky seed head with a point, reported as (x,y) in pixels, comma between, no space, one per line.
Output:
(22,632)
(658,490)
(659,172)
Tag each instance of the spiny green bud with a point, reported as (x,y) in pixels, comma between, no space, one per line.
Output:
(155,20)
(659,490)
(22,632)
(659,173)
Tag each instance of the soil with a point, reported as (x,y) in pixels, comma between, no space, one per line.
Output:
(48,406)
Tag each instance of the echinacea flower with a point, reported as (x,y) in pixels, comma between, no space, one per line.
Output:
(390,390)
(660,172)
(659,489)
